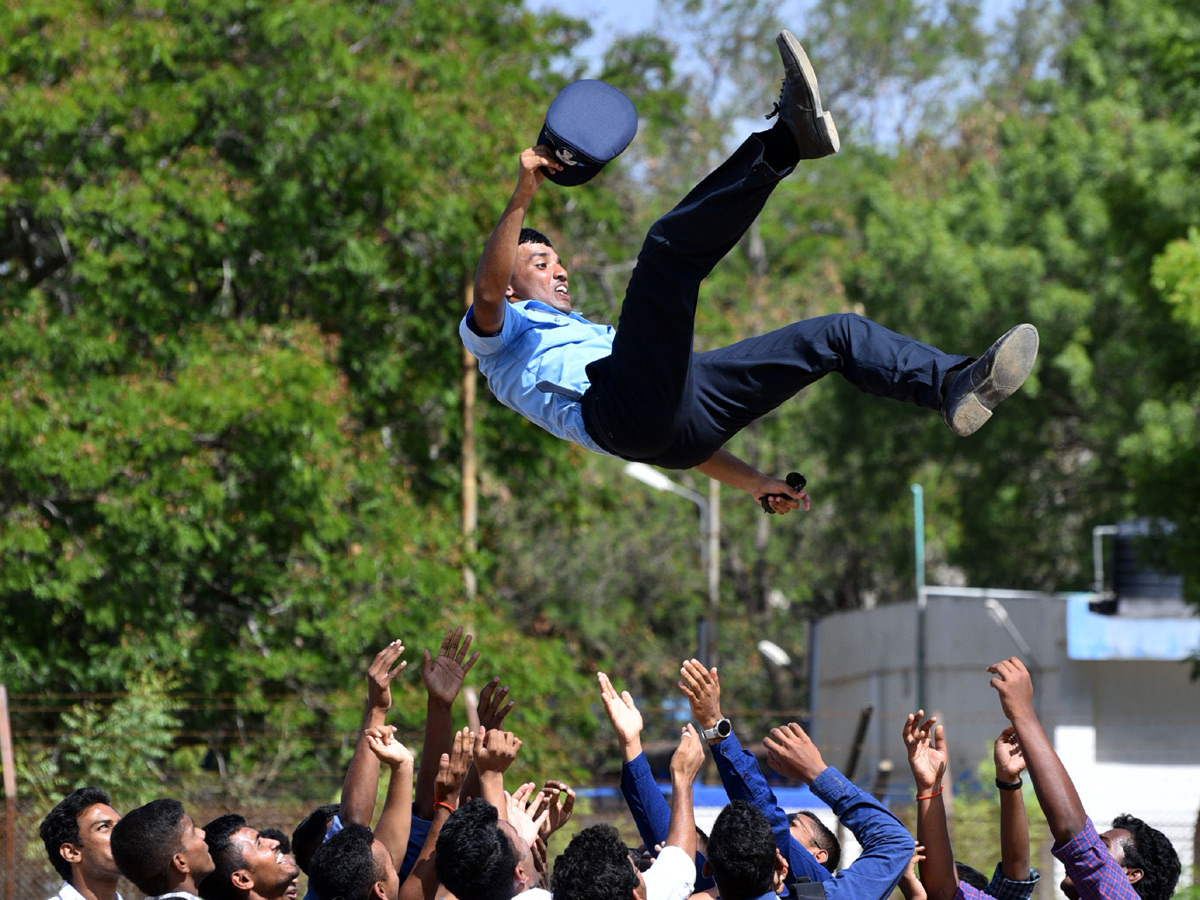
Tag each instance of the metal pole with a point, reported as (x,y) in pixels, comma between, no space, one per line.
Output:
(712,539)
(10,795)
(919,547)
(470,476)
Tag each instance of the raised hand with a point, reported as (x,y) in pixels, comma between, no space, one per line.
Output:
(927,756)
(492,709)
(380,675)
(1010,761)
(389,750)
(452,768)
(557,800)
(495,750)
(443,674)
(521,816)
(622,713)
(1012,682)
(791,752)
(688,756)
(702,687)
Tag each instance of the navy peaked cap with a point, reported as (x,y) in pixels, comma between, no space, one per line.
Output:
(588,125)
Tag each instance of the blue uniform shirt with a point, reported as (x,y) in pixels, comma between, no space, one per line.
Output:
(537,364)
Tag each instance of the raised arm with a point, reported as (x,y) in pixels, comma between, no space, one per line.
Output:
(886,844)
(927,756)
(650,811)
(1014,826)
(443,676)
(422,881)
(361,784)
(500,255)
(493,706)
(729,469)
(739,771)
(685,766)
(495,751)
(392,829)
(1055,791)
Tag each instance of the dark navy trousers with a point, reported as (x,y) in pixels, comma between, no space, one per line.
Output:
(656,401)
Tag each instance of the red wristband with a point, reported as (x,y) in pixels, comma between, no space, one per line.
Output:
(931,796)
(443,803)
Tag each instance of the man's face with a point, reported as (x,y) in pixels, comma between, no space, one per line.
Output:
(801,827)
(523,872)
(269,868)
(1114,840)
(391,879)
(200,861)
(539,275)
(95,829)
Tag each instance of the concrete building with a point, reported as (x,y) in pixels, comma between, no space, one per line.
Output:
(1115,693)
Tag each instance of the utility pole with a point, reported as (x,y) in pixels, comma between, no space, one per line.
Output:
(470,475)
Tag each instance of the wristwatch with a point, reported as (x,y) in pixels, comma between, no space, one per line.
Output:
(722,730)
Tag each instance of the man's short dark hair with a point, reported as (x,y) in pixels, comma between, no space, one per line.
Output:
(307,836)
(61,825)
(533,236)
(1150,851)
(344,865)
(595,866)
(823,838)
(741,852)
(971,876)
(144,842)
(274,834)
(227,857)
(474,857)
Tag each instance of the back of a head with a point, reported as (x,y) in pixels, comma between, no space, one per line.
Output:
(61,825)
(595,866)
(226,854)
(309,834)
(741,852)
(144,842)
(474,858)
(1150,851)
(344,865)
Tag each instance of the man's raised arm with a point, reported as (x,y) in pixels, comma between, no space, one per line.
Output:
(500,255)
(1055,790)
(728,469)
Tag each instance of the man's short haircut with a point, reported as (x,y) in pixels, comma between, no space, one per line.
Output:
(344,865)
(274,834)
(227,857)
(971,876)
(741,852)
(1150,851)
(595,866)
(144,842)
(823,838)
(309,834)
(61,825)
(475,859)
(533,236)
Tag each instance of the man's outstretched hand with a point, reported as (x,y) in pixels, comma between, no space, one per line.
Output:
(1012,682)
(530,175)
(702,687)
(791,752)
(926,746)
(443,674)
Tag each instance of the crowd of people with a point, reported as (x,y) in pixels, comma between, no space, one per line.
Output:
(450,827)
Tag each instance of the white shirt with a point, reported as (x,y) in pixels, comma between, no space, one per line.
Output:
(672,877)
(67,892)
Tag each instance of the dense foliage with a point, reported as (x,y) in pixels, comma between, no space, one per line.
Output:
(236,242)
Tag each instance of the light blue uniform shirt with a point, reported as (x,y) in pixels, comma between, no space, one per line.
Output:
(536,365)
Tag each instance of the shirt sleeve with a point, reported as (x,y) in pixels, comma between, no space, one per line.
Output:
(650,810)
(744,780)
(886,844)
(1092,868)
(487,345)
(966,892)
(1004,888)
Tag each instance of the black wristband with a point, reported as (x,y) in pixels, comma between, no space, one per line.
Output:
(1009,785)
